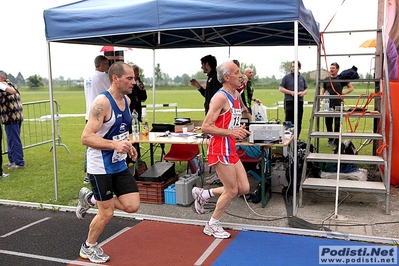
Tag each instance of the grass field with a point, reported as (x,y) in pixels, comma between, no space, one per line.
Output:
(36,183)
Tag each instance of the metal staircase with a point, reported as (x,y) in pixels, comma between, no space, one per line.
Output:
(378,137)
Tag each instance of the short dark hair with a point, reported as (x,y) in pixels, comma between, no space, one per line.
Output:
(210,59)
(99,59)
(335,64)
(299,64)
(118,69)
(236,62)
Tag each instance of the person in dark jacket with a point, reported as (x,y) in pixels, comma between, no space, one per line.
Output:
(208,65)
(12,117)
(138,94)
(247,95)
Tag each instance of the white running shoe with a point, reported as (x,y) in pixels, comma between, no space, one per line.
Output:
(4,175)
(8,164)
(199,201)
(216,230)
(83,205)
(94,254)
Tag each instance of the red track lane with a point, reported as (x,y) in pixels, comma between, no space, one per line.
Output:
(159,243)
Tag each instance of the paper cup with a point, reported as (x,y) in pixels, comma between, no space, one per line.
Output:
(184,130)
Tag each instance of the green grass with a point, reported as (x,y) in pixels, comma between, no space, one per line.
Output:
(36,183)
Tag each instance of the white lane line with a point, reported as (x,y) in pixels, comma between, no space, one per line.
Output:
(46,258)
(114,236)
(208,251)
(105,242)
(26,226)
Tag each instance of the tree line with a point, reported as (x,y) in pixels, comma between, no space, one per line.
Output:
(161,78)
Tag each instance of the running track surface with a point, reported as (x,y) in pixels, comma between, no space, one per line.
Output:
(42,237)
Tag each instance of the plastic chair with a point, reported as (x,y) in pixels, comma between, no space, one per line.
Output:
(182,152)
(245,158)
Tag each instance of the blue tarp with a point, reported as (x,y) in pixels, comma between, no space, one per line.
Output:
(181,23)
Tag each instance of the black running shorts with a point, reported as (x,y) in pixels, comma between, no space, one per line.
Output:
(105,186)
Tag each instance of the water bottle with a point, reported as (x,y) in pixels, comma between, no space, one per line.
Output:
(326,102)
(135,123)
(144,122)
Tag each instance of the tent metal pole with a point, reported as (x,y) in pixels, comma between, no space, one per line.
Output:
(153,85)
(296,72)
(50,82)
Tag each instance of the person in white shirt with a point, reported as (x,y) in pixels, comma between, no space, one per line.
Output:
(93,86)
(98,82)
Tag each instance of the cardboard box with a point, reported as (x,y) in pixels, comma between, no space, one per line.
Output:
(179,128)
(197,123)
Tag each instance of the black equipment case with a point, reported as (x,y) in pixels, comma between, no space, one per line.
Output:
(159,172)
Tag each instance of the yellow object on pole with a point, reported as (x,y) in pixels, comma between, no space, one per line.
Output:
(371,43)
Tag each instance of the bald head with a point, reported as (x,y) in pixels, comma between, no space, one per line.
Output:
(249,73)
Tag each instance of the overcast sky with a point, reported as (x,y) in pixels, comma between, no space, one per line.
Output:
(24,49)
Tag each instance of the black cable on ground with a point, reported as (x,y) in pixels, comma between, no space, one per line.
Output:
(296,222)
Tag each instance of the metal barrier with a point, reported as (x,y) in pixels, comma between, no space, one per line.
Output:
(161,105)
(281,104)
(36,128)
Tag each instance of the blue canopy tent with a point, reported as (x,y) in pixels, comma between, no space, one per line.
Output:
(181,24)
(165,24)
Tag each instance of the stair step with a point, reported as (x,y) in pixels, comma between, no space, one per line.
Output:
(346,135)
(345,185)
(368,114)
(345,158)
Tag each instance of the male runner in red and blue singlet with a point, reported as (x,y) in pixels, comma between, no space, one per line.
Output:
(222,122)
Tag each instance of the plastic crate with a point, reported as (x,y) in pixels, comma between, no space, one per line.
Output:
(153,192)
(170,195)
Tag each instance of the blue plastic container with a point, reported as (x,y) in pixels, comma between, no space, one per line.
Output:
(170,195)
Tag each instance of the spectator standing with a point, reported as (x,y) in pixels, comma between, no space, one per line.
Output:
(244,80)
(138,95)
(107,136)
(12,117)
(6,89)
(97,83)
(334,88)
(93,86)
(287,87)
(208,65)
(247,94)
(222,122)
